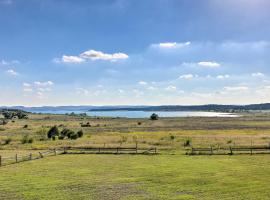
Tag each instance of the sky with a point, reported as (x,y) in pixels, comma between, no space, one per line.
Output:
(130,52)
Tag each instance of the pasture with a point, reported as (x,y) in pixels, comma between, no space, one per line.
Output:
(168,175)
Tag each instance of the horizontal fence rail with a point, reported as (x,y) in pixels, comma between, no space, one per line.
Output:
(229,150)
(27,157)
(110,150)
(74,150)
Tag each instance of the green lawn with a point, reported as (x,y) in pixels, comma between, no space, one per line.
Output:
(138,177)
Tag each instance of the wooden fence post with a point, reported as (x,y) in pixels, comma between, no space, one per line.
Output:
(231,152)
(0,160)
(155,150)
(16,158)
(211,150)
(30,156)
(117,150)
(136,147)
(54,152)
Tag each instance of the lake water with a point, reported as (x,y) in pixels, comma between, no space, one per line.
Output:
(143,114)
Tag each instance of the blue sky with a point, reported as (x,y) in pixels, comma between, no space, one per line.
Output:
(129,52)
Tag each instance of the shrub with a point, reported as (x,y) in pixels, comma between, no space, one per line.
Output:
(187,143)
(172,137)
(154,116)
(25,126)
(26,139)
(74,136)
(7,140)
(139,123)
(42,134)
(65,132)
(53,132)
(61,137)
(80,133)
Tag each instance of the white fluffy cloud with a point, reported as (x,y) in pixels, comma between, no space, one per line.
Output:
(171,88)
(188,76)
(258,74)
(99,55)
(12,72)
(72,59)
(43,84)
(142,83)
(225,76)
(38,89)
(209,64)
(170,45)
(92,55)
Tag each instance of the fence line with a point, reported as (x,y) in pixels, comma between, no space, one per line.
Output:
(110,150)
(75,150)
(229,150)
(31,156)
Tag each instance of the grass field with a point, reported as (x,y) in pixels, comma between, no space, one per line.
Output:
(138,177)
(169,175)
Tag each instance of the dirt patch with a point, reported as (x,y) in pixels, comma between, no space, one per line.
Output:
(118,191)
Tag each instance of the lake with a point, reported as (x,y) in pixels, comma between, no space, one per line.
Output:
(142,114)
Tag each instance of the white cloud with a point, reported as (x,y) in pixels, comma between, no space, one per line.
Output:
(38,89)
(258,74)
(171,88)
(187,76)
(236,88)
(12,62)
(142,83)
(43,84)
(26,84)
(151,88)
(99,55)
(11,72)
(208,64)
(170,45)
(71,59)
(91,55)
(225,76)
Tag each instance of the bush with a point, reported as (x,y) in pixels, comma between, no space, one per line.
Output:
(7,140)
(154,116)
(172,137)
(42,134)
(61,137)
(26,139)
(74,136)
(139,123)
(65,132)
(25,126)
(80,133)
(187,143)
(53,132)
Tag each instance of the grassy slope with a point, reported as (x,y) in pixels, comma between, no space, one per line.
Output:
(138,177)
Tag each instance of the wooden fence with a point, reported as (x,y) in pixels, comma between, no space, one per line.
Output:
(74,150)
(108,150)
(229,150)
(31,156)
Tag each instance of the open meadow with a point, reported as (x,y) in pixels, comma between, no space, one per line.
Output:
(170,174)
